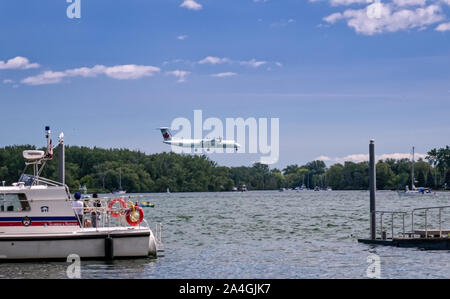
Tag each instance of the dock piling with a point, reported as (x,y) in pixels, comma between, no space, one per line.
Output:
(372,188)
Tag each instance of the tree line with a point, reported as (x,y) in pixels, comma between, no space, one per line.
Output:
(100,170)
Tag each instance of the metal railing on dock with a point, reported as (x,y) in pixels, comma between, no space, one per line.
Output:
(392,213)
(425,233)
(440,209)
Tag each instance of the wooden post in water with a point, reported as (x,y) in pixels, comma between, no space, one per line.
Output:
(372,188)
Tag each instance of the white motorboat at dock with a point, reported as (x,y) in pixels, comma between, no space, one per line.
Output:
(38,220)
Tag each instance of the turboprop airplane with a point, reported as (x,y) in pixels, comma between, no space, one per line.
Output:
(198,143)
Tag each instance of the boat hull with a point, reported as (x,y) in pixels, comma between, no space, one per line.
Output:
(92,244)
(415,194)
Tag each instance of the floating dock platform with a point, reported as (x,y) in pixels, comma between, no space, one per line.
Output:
(421,243)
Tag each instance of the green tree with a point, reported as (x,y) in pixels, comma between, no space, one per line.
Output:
(335,177)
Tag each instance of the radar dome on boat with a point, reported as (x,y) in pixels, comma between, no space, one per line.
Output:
(33,154)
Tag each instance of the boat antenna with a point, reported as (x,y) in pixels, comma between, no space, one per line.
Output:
(61,160)
(49,151)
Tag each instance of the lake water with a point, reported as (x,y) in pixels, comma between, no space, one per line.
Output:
(265,235)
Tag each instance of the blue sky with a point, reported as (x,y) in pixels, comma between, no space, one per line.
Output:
(333,76)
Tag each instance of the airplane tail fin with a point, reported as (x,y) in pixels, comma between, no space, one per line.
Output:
(166,133)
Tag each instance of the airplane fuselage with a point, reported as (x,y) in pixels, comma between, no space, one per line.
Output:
(203,143)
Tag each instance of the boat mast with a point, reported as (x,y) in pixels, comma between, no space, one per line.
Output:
(412,171)
(120,178)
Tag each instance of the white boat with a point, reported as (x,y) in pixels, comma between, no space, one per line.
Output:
(120,191)
(421,191)
(84,193)
(301,188)
(38,221)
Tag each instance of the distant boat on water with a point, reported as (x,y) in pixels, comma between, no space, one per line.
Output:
(120,191)
(83,190)
(243,188)
(421,191)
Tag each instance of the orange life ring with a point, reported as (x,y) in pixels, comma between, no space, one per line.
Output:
(131,216)
(123,206)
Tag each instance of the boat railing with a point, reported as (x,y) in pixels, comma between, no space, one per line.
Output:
(426,224)
(103,216)
(392,214)
(158,237)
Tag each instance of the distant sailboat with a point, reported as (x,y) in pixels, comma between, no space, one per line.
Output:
(120,191)
(84,193)
(243,188)
(421,191)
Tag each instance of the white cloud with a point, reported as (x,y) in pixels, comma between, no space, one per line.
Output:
(365,157)
(130,71)
(282,23)
(410,2)
(347,2)
(118,72)
(48,77)
(179,61)
(223,75)
(253,63)
(391,19)
(333,17)
(8,81)
(86,72)
(17,63)
(396,2)
(443,27)
(180,75)
(323,158)
(182,37)
(191,5)
(214,60)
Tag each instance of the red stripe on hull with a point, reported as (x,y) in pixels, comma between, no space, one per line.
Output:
(42,223)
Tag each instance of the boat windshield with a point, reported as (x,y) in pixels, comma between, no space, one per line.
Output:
(28,179)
